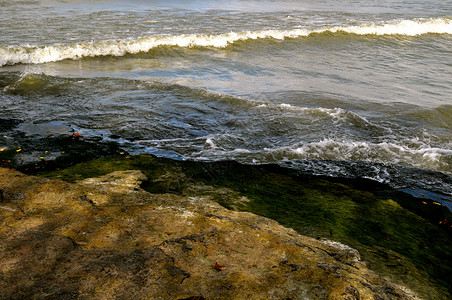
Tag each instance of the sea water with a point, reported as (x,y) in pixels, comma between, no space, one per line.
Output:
(338,88)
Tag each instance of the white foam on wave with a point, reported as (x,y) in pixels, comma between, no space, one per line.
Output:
(334,113)
(337,115)
(33,54)
(211,144)
(403,27)
(420,156)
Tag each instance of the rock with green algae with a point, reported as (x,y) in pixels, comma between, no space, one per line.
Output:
(403,238)
(106,238)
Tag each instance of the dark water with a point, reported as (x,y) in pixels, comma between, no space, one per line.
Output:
(340,88)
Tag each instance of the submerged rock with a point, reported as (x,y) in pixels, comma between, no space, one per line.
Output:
(108,238)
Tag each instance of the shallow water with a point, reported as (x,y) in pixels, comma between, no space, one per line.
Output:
(324,84)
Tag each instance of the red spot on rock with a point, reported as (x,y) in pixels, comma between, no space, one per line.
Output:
(219,267)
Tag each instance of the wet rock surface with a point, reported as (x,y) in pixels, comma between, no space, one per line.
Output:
(106,238)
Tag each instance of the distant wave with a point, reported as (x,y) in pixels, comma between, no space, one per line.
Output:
(32,54)
(403,27)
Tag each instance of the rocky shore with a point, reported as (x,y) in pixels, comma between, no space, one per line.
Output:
(152,228)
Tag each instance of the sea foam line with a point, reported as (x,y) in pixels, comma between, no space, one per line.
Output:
(419,156)
(33,54)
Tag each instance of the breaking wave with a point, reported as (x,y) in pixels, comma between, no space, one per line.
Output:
(409,153)
(335,114)
(35,54)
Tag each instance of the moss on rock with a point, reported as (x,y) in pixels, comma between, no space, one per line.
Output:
(383,224)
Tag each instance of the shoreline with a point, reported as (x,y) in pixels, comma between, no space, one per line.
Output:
(51,146)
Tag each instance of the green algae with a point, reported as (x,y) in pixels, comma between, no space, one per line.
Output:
(390,229)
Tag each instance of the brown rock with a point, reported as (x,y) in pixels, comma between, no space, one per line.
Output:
(106,238)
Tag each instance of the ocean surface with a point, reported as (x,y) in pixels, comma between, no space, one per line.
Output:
(338,88)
